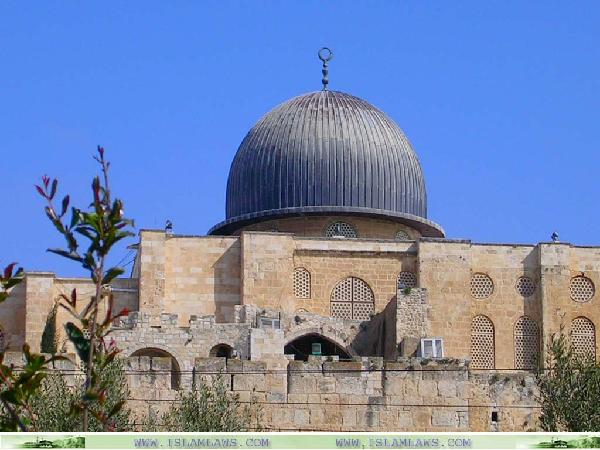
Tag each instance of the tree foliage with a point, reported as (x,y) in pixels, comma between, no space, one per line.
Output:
(90,235)
(210,409)
(569,389)
(53,405)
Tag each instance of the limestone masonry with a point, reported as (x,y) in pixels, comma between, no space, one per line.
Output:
(329,297)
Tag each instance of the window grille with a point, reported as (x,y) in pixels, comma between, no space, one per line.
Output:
(525,286)
(482,343)
(406,280)
(583,337)
(482,286)
(526,343)
(402,235)
(352,298)
(301,283)
(340,229)
(582,289)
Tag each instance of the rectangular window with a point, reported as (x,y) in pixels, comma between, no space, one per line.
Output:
(269,323)
(432,348)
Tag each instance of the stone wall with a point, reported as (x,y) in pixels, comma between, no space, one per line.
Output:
(27,315)
(315,226)
(189,275)
(366,394)
(411,321)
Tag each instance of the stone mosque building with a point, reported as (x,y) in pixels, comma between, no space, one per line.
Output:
(329,294)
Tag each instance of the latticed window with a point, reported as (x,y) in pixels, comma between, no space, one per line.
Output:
(402,235)
(526,343)
(582,289)
(482,286)
(583,337)
(406,280)
(352,298)
(525,286)
(482,343)
(301,283)
(340,229)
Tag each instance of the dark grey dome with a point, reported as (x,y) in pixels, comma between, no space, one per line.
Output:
(326,153)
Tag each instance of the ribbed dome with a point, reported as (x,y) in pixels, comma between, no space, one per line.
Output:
(326,152)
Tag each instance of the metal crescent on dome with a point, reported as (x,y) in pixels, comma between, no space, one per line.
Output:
(325,55)
(322,56)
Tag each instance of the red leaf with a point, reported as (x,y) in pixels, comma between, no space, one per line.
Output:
(46,180)
(122,313)
(41,191)
(101,151)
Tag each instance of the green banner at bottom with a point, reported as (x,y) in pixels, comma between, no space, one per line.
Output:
(300,440)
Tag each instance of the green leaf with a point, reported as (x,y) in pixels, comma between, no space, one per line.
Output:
(75,335)
(111,274)
(116,408)
(66,254)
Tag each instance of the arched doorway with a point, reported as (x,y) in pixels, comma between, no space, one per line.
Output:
(158,353)
(302,347)
(221,351)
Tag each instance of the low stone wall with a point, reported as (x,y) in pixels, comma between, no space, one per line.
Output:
(366,394)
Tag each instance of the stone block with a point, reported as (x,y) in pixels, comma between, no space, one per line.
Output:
(343,369)
(444,417)
(301,417)
(447,388)
(211,365)
(244,382)
(349,385)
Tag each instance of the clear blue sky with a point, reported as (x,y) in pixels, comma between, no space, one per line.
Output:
(500,100)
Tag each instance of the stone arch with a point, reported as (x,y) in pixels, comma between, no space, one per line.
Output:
(300,346)
(156,352)
(221,351)
(352,298)
(326,335)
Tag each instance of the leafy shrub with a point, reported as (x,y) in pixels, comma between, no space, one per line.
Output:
(53,405)
(569,389)
(210,409)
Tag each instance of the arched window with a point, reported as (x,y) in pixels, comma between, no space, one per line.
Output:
(340,229)
(352,298)
(301,283)
(482,343)
(406,280)
(583,337)
(526,343)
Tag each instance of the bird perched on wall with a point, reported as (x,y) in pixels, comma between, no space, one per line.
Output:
(554,237)
(169,227)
